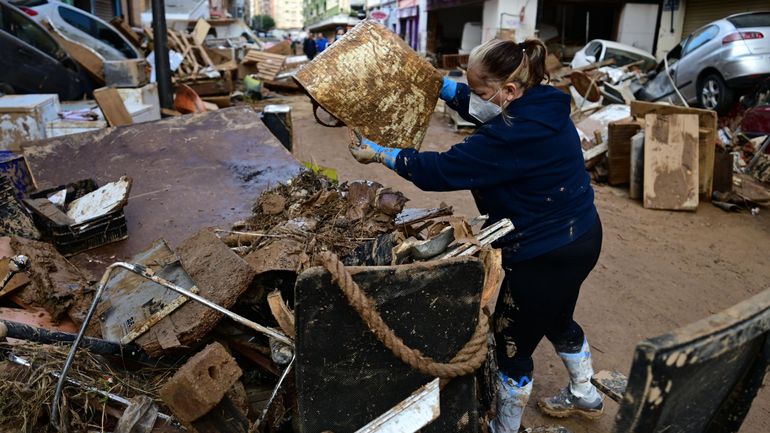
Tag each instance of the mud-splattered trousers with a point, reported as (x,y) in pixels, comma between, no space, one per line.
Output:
(538,298)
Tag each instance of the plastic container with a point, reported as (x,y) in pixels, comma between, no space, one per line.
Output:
(75,238)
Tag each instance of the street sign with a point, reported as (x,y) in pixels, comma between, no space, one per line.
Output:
(378,15)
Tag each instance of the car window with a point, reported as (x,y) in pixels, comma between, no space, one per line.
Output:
(623,58)
(22,27)
(699,38)
(593,49)
(761,19)
(96,29)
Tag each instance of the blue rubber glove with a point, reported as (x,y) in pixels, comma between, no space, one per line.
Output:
(366,151)
(448,89)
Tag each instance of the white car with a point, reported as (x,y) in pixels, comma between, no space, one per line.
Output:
(599,50)
(82,27)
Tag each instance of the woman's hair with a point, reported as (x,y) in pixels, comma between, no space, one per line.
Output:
(505,61)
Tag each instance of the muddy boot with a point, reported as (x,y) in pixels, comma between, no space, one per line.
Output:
(580,397)
(511,400)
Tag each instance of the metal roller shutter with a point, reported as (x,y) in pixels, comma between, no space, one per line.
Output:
(698,13)
(104,9)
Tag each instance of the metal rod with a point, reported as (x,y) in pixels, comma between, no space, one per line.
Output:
(755,158)
(149,274)
(263,415)
(114,397)
(160,47)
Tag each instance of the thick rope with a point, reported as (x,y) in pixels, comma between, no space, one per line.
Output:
(465,362)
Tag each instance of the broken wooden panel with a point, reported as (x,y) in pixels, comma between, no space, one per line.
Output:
(130,300)
(432,306)
(702,377)
(220,275)
(707,137)
(671,161)
(172,163)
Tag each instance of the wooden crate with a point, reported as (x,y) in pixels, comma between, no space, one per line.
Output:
(619,135)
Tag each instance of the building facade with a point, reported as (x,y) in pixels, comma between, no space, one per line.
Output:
(288,14)
(327,15)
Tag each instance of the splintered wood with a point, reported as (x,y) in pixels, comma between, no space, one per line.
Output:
(195,57)
(269,65)
(671,161)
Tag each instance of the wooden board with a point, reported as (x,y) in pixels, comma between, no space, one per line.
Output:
(707,121)
(619,135)
(122,26)
(112,106)
(433,306)
(200,31)
(87,58)
(671,161)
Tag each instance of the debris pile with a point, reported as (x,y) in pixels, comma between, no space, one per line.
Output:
(157,350)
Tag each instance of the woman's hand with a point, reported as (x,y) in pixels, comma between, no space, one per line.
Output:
(366,151)
(448,89)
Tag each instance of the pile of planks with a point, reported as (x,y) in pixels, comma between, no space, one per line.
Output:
(269,65)
(196,61)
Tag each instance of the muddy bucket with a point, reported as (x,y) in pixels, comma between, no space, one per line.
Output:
(372,81)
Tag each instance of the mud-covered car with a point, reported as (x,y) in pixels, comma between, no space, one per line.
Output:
(715,64)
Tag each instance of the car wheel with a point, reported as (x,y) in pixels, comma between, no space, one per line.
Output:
(714,94)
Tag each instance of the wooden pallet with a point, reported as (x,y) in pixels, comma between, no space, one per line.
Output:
(269,65)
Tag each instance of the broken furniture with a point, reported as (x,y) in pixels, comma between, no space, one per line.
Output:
(700,378)
(432,306)
(23,118)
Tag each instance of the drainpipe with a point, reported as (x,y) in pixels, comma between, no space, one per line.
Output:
(162,67)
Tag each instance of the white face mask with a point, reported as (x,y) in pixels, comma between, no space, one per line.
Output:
(483,110)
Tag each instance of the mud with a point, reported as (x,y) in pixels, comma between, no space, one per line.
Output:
(55,283)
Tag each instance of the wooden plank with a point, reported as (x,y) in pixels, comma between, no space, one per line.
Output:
(707,120)
(671,161)
(126,30)
(112,106)
(612,383)
(200,31)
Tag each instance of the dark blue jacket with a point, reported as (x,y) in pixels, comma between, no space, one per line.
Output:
(530,170)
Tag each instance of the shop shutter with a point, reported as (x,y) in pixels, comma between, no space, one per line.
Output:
(104,9)
(698,13)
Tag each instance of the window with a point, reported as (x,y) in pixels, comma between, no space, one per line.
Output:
(96,29)
(594,49)
(25,29)
(761,19)
(699,38)
(623,58)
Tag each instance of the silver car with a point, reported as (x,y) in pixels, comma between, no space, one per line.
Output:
(715,63)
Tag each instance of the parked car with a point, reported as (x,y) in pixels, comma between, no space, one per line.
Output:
(31,61)
(599,50)
(83,27)
(714,64)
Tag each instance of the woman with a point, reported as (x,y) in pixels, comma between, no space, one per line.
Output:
(524,162)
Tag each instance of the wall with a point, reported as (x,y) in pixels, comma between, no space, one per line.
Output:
(667,39)
(637,25)
(523,29)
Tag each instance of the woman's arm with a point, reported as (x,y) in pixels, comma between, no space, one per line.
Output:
(477,162)
(457,96)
